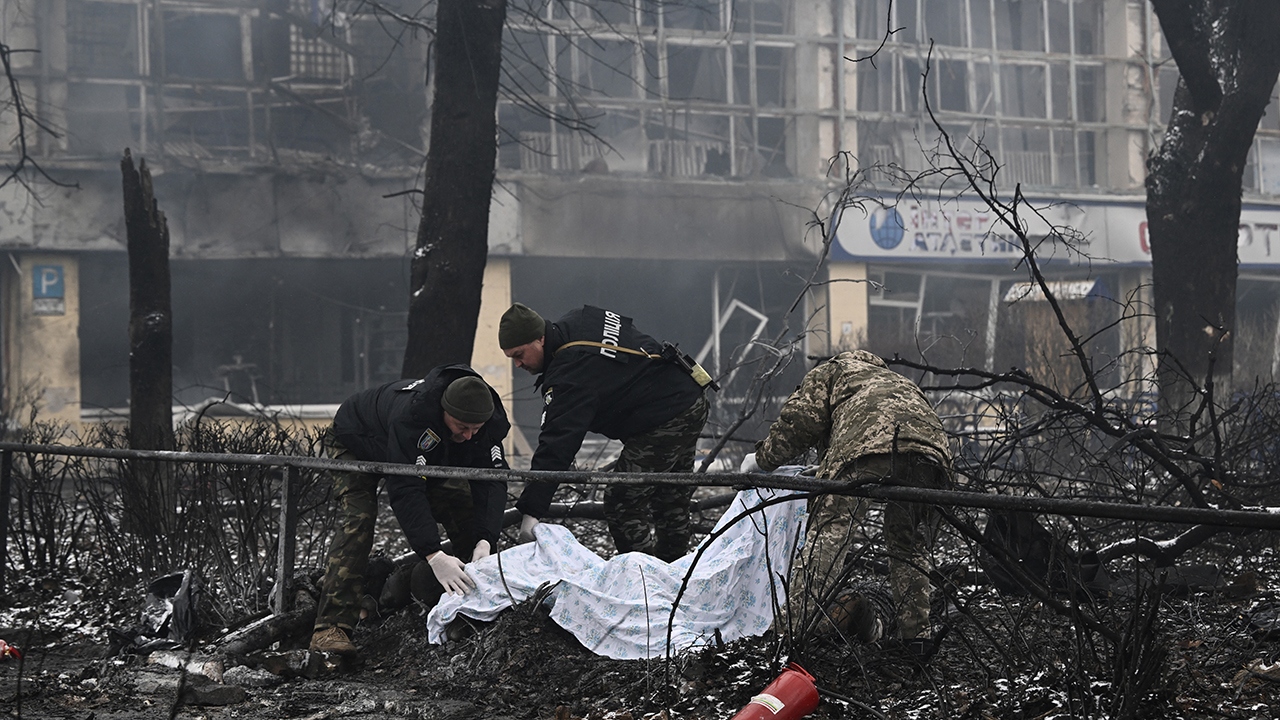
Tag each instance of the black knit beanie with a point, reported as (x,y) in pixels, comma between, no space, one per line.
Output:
(519,326)
(468,399)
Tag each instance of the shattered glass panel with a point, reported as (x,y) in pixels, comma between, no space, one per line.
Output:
(524,62)
(202,45)
(1060,76)
(1023,90)
(944,22)
(763,17)
(1059,26)
(1268,153)
(1090,101)
(696,73)
(692,14)
(614,12)
(980,23)
(1026,156)
(1087,15)
(607,68)
(872,19)
(1019,25)
(102,39)
(952,83)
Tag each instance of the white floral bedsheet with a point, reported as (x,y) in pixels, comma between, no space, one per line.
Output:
(620,608)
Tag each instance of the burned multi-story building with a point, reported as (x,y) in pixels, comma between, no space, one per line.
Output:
(286,138)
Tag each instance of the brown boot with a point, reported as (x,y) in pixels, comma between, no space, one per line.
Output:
(332,640)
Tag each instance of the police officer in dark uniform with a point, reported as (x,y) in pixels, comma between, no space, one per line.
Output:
(598,373)
(449,418)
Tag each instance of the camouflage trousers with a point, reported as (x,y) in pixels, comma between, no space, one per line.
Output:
(818,571)
(356,494)
(654,519)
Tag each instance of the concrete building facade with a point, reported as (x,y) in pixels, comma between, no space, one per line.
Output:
(286,138)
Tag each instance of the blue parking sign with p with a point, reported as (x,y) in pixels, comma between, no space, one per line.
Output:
(47,281)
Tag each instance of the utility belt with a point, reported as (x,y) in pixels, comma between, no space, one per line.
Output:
(670,353)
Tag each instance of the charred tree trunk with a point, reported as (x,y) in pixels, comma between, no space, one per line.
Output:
(1228,56)
(448,264)
(150,500)
(150,315)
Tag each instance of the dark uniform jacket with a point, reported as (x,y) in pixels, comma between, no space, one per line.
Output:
(402,422)
(852,406)
(599,389)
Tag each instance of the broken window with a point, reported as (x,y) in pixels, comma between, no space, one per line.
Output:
(1028,335)
(1020,25)
(875,89)
(871,19)
(1257,348)
(392,94)
(524,62)
(1022,87)
(944,22)
(762,17)
(1090,100)
(102,39)
(692,14)
(949,316)
(1026,155)
(951,83)
(201,45)
(311,57)
(772,65)
(980,24)
(1263,171)
(1086,19)
(696,73)
(607,69)
(613,12)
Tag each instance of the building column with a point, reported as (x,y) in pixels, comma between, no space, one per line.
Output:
(41,316)
(486,357)
(847,305)
(1138,333)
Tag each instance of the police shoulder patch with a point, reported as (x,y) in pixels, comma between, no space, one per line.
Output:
(546,396)
(428,441)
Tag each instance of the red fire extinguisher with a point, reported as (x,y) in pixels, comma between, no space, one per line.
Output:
(789,697)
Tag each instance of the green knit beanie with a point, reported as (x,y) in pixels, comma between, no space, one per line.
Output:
(468,399)
(519,326)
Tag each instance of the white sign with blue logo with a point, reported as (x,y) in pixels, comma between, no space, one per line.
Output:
(967,230)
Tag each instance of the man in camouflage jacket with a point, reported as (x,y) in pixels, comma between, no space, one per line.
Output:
(869,424)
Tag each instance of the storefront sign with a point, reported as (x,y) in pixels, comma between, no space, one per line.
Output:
(1076,232)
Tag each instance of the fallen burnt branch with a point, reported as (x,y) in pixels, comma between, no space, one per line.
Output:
(268,630)
(1162,552)
(1036,586)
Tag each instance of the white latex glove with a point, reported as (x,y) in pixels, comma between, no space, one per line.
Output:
(527,524)
(481,552)
(749,464)
(450,572)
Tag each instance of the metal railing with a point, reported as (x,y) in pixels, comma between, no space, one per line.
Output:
(1261,518)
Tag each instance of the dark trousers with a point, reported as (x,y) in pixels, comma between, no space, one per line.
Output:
(357,496)
(654,519)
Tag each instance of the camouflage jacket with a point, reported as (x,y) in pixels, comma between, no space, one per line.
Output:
(851,406)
